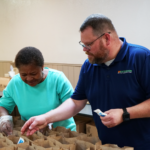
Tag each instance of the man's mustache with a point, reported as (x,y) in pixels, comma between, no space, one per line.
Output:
(88,53)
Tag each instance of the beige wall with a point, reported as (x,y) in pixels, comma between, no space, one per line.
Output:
(53,25)
(70,70)
(4,67)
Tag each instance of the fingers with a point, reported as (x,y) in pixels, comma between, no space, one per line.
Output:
(26,126)
(30,132)
(31,126)
(33,130)
(6,127)
(108,124)
(9,128)
(107,120)
(113,118)
(35,124)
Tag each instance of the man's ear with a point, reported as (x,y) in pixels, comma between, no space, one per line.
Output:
(107,38)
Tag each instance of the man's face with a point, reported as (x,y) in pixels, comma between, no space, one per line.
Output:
(98,52)
(31,74)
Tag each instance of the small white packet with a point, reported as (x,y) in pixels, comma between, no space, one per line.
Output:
(21,140)
(50,126)
(11,72)
(100,113)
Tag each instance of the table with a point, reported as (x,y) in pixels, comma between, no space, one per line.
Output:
(86,110)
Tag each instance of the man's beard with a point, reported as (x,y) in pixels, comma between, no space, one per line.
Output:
(96,61)
(100,56)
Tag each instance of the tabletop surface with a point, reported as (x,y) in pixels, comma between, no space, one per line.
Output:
(86,110)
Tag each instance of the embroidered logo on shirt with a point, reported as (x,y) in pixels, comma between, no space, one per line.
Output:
(124,71)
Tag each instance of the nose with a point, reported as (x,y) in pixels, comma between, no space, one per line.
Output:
(29,78)
(85,49)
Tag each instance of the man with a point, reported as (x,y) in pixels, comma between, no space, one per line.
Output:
(115,79)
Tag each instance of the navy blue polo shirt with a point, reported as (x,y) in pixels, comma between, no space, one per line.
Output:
(125,83)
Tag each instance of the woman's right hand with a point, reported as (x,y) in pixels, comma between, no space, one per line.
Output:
(34,124)
(6,125)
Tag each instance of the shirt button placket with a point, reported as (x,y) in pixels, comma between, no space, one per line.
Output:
(108,75)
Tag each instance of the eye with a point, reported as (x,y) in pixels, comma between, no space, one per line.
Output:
(23,75)
(88,44)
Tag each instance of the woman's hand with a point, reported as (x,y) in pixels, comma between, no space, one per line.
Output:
(34,124)
(6,124)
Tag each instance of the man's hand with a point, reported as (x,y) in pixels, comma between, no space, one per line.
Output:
(34,124)
(113,118)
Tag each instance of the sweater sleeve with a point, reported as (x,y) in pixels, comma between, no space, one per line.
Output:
(64,87)
(6,100)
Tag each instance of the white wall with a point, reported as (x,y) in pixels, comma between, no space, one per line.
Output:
(53,25)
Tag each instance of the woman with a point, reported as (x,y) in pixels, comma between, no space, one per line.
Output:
(35,90)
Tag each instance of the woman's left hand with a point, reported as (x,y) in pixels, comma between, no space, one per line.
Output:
(34,124)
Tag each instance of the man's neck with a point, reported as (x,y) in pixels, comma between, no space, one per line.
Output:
(116,46)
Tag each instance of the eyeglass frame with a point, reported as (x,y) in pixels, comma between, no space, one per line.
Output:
(88,46)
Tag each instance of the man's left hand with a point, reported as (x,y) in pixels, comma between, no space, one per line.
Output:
(113,118)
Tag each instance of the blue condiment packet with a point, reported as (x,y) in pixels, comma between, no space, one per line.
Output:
(21,140)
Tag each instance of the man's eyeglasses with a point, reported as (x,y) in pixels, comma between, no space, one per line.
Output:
(89,45)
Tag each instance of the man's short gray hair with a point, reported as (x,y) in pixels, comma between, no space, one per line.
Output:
(99,23)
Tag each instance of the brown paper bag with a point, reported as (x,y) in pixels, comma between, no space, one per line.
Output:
(114,147)
(39,134)
(2,135)
(50,142)
(17,128)
(128,148)
(15,139)
(27,146)
(68,146)
(76,134)
(57,138)
(92,140)
(10,147)
(32,137)
(69,140)
(44,143)
(16,133)
(54,148)
(7,141)
(18,123)
(51,132)
(81,145)
(15,118)
(3,144)
(61,129)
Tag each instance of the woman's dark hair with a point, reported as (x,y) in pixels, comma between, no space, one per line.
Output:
(29,55)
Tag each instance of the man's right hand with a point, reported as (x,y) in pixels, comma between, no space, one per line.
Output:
(6,124)
(34,124)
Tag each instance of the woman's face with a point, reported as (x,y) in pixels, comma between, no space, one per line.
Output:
(31,74)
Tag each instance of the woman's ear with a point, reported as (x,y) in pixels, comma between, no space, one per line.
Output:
(42,67)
